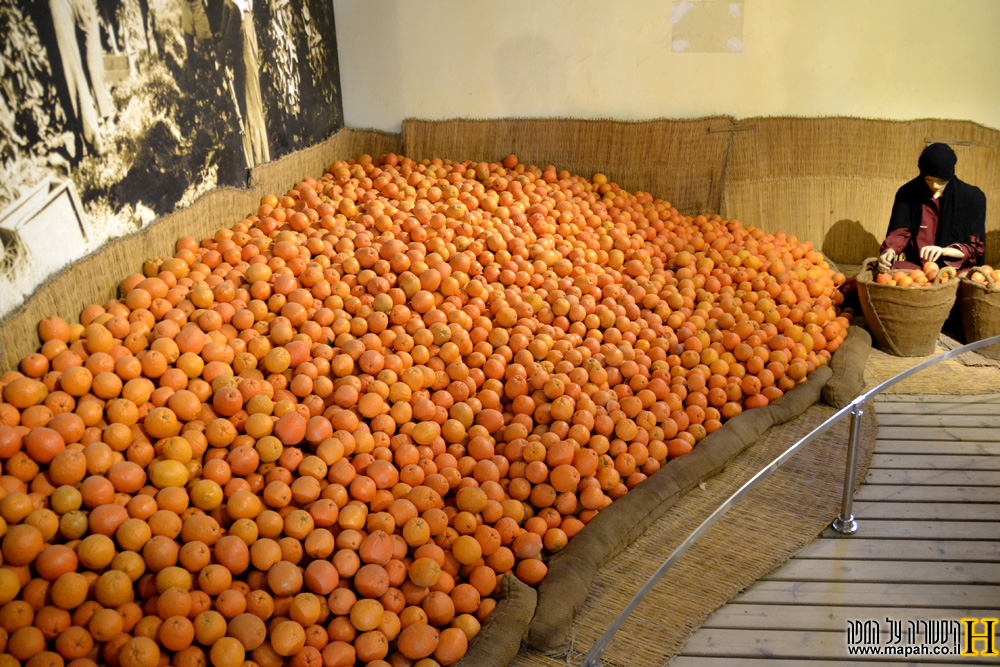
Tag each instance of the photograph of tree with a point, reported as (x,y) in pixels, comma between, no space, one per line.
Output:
(144,105)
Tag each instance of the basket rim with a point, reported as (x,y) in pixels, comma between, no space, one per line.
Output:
(865,277)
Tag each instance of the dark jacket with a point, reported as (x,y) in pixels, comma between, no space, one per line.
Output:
(963,213)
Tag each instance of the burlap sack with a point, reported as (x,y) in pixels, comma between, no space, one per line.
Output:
(500,637)
(980,306)
(571,570)
(848,364)
(904,321)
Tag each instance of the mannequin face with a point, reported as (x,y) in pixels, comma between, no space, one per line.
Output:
(937,185)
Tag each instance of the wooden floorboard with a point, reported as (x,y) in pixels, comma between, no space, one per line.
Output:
(880,549)
(942,408)
(922,530)
(927,548)
(782,644)
(955,433)
(935,462)
(900,571)
(704,661)
(937,511)
(945,596)
(933,448)
(984,399)
(941,494)
(791,617)
(929,417)
(934,477)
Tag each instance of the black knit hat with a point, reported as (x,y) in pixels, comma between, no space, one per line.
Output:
(938,160)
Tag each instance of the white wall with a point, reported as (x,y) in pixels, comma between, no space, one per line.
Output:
(888,59)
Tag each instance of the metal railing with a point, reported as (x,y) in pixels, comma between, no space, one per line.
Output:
(844,523)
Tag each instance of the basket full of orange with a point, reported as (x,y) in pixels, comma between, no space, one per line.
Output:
(905,310)
(979,296)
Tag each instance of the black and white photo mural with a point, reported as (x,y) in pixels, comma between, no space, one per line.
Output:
(114,113)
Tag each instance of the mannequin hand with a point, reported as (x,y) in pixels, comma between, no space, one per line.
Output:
(931,253)
(886,259)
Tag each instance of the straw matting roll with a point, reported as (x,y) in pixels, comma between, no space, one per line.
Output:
(680,161)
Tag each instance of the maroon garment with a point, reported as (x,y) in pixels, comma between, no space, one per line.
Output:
(908,249)
(929,223)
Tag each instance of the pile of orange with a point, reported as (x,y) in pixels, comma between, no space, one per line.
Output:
(324,435)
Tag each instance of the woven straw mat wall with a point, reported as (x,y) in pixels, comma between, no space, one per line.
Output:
(680,161)
(95,278)
(831,181)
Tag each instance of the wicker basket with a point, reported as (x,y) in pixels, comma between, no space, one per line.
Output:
(980,306)
(905,321)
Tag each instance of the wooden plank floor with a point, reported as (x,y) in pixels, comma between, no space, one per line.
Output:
(927,549)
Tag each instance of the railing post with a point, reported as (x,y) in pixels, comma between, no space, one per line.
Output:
(845,523)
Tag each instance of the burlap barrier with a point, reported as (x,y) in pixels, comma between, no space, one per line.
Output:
(848,365)
(95,278)
(904,321)
(980,306)
(500,637)
(571,571)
